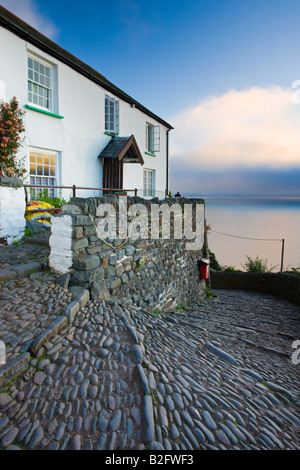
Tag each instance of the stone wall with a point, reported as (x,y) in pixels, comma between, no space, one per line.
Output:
(12,209)
(285,286)
(147,271)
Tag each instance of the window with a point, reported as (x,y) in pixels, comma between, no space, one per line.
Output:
(152,138)
(39,83)
(111,115)
(43,171)
(149,183)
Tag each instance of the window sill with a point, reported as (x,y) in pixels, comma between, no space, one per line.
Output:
(43,111)
(151,154)
(111,134)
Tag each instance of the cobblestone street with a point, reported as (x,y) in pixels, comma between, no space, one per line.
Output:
(218,375)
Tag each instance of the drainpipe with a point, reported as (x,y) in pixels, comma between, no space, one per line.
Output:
(167,163)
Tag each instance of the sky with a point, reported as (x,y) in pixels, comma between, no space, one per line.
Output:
(224,73)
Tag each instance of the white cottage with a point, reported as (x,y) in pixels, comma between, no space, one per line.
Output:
(80,128)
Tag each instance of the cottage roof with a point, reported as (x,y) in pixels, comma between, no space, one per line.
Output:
(26,32)
(123,148)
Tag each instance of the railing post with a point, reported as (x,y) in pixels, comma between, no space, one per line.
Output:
(74,190)
(135,192)
(111,191)
(282,254)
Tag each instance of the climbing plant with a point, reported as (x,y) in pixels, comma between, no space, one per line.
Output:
(11,130)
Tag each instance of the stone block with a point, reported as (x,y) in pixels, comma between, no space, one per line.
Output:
(92,250)
(88,231)
(80,243)
(127,266)
(34,226)
(64,280)
(24,269)
(119,270)
(113,260)
(82,298)
(81,277)
(71,310)
(99,291)
(58,324)
(99,275)
(10,182)
(129,250)
(69,208)
(115,284)
(81,220)
(87,263)
(110,273)
(6,275)
(77,232)
(14,369)
(120,254)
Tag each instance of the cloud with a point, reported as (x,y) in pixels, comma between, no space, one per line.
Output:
(235,181)
(28,11)
(257,127)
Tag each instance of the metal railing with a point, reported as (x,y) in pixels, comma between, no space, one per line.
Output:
(74,188)
(146,194)
(151,194)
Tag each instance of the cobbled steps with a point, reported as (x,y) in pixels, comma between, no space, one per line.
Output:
(205,377)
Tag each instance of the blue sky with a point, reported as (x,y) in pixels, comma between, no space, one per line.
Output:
(220,71)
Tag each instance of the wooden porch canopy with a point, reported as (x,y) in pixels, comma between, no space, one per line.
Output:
(119,150)
(123,148)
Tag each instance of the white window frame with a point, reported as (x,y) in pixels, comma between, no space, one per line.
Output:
(111,116)
(152,143)
(149,182)
(39,85)
(44,178)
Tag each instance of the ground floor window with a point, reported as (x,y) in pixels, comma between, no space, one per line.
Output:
(149,183)
(43,171)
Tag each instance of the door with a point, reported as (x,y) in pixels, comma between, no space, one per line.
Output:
(112,173)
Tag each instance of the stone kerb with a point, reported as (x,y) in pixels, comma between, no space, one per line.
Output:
(12,209)
(149,271)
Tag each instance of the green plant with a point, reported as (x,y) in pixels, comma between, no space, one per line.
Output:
(214,264)
(139,264)
(11,128)
(257,265)
(209,293)
(28,232)
(45,197)
(156,311)
(229,269)
(295,271)
(182,306)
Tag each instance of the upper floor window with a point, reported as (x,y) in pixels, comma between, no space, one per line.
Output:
(152,138)
(111,115)
(40,86)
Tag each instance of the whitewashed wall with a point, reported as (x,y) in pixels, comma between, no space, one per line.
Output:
(79,137)
(12,208)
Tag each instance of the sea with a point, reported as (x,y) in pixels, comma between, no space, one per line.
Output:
(254,227)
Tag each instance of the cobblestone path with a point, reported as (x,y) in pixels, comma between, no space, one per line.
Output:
(213,376)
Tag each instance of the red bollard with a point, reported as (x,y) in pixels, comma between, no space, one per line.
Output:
(204,266)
